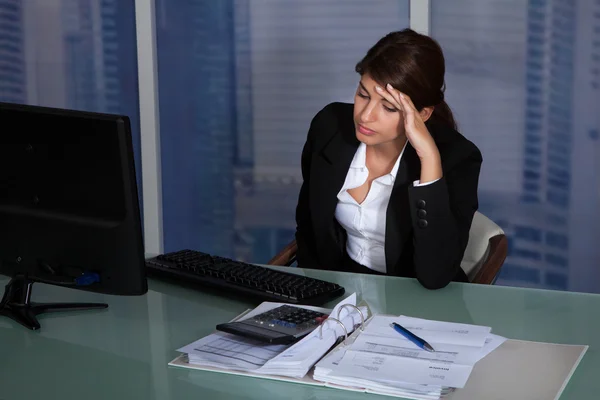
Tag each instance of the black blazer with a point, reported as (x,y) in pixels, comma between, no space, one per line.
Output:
(427,227)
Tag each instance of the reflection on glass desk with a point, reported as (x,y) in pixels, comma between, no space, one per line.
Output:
(123,351)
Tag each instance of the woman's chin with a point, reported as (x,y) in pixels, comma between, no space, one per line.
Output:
(368,139)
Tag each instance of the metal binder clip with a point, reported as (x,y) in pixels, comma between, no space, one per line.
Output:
(336,320)
(362,317)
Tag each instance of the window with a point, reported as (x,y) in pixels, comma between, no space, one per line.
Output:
(521,112)
(531,175)
(557,281)
(531,187)
(534,101)
(530,199)
(526,254)
(555,159)
(534,77)
(535,53)
(557,198)
(561,184)
(557,240)
(535,64)
(239,82)
(534,40)
(528,233)
(556,260)
(559,147)
(532,164)
(536,28)
(532,139)
(533,115)
(537,4)
(559,173)
(516,273)
(557,220)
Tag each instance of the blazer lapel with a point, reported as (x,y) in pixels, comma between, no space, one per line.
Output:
(328,173)
(398,220)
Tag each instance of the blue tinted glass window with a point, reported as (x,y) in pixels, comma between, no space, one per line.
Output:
(557,261)
(512,272)
(557,198)
(528,233)
(557,281)
(528,254)
(557,240)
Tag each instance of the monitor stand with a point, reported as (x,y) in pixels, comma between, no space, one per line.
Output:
(16,303)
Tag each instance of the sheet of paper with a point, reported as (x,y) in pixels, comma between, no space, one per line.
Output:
(372,366)
(398,346)
(232,351)
(431,331)
(326,366)
(491,344)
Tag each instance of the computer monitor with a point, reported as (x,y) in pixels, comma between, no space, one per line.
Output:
(69,212)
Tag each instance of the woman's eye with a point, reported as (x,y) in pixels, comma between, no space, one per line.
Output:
(364,96)
(388,109)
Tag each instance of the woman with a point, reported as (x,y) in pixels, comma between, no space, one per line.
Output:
(390,186)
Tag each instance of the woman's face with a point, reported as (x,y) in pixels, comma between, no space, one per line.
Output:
(376,120)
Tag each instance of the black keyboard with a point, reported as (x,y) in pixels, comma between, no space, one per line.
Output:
(189,266)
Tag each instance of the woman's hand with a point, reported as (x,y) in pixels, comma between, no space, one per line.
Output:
(417,134)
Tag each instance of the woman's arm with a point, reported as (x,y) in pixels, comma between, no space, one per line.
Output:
(443,205)
(441,215)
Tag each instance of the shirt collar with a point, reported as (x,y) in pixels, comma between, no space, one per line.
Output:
(394,171)
(360,157)
(360,162)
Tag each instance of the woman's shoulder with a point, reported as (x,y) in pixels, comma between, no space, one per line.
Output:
(336,111)
(331,119)
(454,147)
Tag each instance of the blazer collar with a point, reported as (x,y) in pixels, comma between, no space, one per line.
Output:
(342,146)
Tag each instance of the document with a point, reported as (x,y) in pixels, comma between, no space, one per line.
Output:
(373,366)
(381,356)
(431,331)
(227,351)
(444,353)
(491,344)
(379,360)
(230,351)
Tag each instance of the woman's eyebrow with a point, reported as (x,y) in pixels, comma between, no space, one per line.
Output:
(363,86)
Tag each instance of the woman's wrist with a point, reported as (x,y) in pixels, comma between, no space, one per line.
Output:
(431,167)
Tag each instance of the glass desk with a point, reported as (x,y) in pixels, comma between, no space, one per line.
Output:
(122,352)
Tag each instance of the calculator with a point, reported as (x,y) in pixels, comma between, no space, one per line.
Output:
(282,325)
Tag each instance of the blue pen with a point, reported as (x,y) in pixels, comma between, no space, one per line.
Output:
(412,337)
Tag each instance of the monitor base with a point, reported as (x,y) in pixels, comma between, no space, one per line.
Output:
(16,303)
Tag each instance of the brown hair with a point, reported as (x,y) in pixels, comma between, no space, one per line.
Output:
(414,64)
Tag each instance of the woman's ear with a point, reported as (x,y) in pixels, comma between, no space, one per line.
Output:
(426,112)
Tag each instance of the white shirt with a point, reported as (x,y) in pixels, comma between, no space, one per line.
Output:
(365,222)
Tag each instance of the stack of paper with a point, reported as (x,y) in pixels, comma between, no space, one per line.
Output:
(227,351)
(383,361)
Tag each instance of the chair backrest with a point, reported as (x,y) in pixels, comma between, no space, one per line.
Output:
(486,250)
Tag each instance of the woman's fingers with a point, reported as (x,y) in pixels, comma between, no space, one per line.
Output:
(389,97)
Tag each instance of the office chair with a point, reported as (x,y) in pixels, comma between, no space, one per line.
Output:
(483,258)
